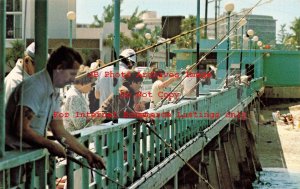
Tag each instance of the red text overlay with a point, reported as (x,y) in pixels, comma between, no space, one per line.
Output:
(177,115)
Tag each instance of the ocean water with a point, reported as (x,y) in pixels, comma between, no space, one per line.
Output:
(277,178)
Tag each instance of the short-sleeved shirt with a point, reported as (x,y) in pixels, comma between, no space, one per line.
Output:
(189,83)
(41,97)
(74,106)
(13,79)
(155,90)
(125,104)
(244,79)
(104,84)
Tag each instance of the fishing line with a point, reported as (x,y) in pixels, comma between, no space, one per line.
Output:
(173,38)
(69,151)
(173,150)
(204,56)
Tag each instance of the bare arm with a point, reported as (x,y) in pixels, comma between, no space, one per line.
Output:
(30,136)
(59,132)
(167,83)
(97,94)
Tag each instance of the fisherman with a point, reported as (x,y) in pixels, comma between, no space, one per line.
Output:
(23,69)
(212,71)
(245,79)
(105,82)
(36,99)
(189,84)
(159,84)
(131,85)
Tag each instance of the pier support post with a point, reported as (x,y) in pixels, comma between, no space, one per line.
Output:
(203,170)
(245,138)
(176,181)
(212,170)
(231,159)
(250,125)
(223,169)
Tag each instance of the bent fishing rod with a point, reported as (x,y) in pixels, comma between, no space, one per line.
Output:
(193,87)
(168,40)
(148,124)
(204,56)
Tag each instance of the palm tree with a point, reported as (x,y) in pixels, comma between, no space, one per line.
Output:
(108,14)
(134,19)
(124,41)
(97,23)
(189,40)
(282,34)
(296,29)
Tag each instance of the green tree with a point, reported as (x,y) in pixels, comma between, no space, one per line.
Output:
(137,39)
(14,53)
(108,14)
(124,40)
(296,30)
(97,22)
(134,19)
(282,34)
(189,40)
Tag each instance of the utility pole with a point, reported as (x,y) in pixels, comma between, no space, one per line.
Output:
(205,19)
(216,17)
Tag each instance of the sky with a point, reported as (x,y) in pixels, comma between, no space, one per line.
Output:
(284,11)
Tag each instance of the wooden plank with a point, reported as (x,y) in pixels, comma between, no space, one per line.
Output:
(212,170)
(232,162)
(223,169)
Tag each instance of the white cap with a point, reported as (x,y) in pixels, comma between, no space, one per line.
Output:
(213,68)
(30,50)
(94,65)
(130,54)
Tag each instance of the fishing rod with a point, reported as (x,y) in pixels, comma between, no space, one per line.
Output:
(169,40)
(151,121)
(192,88)
(253,63)
(69,157)
(208,73)
(177,154)
(149,47)
(204,56)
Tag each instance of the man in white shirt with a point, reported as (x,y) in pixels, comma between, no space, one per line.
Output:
(189,85)
(22,70)
(105,82)
(245,79)
(159,84)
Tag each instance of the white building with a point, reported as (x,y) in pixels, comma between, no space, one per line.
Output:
(151,20)
(21,16)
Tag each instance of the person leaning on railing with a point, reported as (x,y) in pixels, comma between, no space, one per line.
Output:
(131,85)
(39,101)
(24,68)
(159,84)
(75,103)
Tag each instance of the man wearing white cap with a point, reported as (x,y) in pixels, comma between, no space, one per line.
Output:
(22,70)
(104,84)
